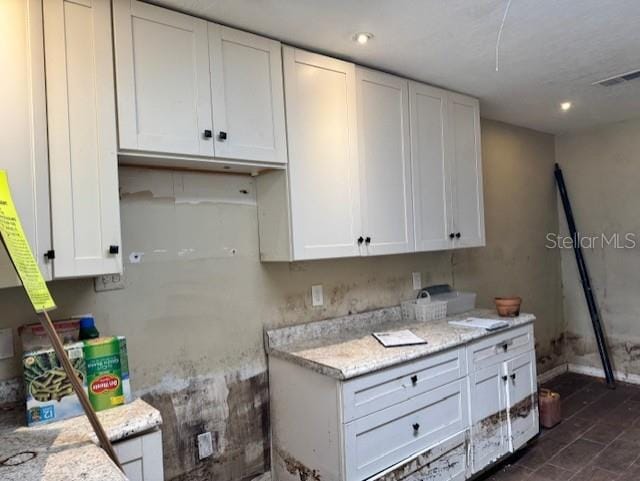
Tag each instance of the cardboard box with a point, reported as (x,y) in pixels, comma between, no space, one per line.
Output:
(49,394)
(34,337)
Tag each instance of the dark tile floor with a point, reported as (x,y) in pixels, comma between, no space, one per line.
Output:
(598,439)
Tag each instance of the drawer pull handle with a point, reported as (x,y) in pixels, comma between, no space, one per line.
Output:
(414,379)
(505,378)
(416,427)
(513,376)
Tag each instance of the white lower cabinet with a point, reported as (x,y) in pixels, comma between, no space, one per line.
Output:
(437,418)
(141,457)
(503,393)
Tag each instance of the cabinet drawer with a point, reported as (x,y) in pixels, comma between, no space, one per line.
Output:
(446,461)
(384,438)
(374,392)
(500,347)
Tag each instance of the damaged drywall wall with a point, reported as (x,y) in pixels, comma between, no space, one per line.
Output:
(520,209)
(197,299)
(602,171)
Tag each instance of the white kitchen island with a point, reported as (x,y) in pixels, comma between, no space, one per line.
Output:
(345,408)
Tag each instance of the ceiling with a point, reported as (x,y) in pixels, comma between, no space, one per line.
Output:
(550,51)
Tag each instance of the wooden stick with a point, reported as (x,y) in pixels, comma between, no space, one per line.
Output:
(105,443)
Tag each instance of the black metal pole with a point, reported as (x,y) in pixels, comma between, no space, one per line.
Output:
(586,281)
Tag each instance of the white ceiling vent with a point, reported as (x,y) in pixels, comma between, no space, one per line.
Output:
(618,79)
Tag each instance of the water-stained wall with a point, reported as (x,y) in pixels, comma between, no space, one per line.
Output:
(602,170)
(197,298)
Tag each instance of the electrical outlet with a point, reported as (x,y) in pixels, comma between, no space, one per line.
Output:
(317,297)
(205,445)
(108,282)
(417,281)
(6,343)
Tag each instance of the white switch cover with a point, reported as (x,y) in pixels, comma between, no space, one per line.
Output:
(417,281)
(317,297)
(205,446)
(6,343)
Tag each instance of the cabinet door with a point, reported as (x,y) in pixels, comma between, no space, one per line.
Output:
(430,167)
(489,429)
(466,162)
(141,457)
(323,155)
(162,69)
(385,170)
(522,400)
(85,212)
(248,99)
(23,137)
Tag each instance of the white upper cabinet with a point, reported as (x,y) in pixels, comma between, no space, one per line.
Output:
(430,167)
(162,70)
(466,160)
(248,103)
(85,213)
(188,88)
(323,155)
(384,170)
(23,137)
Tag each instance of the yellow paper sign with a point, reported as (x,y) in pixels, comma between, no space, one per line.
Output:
(20,252)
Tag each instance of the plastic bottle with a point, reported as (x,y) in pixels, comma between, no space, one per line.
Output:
(88,328)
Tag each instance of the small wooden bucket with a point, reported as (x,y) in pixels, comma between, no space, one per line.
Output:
(550,410)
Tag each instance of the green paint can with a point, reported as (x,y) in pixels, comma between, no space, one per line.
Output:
(104,372)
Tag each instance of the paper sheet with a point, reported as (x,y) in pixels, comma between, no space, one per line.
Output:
(478,322)
(398,338)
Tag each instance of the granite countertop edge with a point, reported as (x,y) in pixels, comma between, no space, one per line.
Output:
(291,352)
(61,445)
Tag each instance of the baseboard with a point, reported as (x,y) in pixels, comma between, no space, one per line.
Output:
(598,372)
(551,373)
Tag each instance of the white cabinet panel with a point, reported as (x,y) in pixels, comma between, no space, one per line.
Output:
(522,403)
(464,114)
(23,136)
(385,171)
(323,155)
(141,457)
(85,211)
(430,167)
(248,102)
(162,69)
(489,428)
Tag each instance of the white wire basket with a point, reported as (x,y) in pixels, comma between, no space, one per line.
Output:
(423,309)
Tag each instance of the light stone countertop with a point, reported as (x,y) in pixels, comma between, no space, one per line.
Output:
(344,348)
(67,450)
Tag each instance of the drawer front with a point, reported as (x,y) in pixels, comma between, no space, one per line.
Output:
(446,461)
(374,392)
(500,347)
(384,438)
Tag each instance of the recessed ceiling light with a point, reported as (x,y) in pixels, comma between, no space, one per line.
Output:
(565,106)
(362,37)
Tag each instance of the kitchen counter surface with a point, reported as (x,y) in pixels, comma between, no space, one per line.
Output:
(344,348)
(66,450)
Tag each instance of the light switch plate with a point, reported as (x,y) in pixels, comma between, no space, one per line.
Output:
(6,343)
(317,296)
(417,281)
(205,446)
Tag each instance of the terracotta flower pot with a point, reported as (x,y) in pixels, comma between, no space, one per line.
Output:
(508,306)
